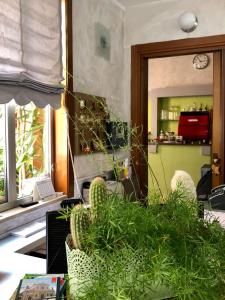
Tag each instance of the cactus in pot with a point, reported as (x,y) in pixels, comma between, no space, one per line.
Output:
(81,218)
(97,194)
(82,267)
(79,222)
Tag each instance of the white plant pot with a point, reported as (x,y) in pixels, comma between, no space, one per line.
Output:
(83,270)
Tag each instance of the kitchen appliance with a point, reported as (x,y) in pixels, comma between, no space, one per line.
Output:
(194,125)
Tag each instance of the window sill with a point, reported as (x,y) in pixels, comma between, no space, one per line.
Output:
(18,211)
(15,217)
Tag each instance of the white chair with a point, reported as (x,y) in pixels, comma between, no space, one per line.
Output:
(182,180)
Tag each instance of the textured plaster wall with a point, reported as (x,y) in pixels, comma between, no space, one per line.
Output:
(98,75)
(158,22)
(94,74)
(146,23)
(178,71)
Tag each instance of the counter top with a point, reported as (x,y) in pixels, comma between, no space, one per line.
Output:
(178,144)
(18,211)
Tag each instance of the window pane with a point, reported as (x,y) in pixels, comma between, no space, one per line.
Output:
(32,154)
(2,155)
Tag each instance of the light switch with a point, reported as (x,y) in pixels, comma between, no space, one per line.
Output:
(206,150)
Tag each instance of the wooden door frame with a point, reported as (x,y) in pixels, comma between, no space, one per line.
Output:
(63,169)
(139,90)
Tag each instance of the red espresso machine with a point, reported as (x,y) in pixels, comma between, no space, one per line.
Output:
(194,126)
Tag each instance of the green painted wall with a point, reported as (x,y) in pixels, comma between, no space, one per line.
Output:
(170,158)
(181,157)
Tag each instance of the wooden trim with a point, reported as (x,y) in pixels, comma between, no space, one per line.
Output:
(63,179)
(222,90)
(141,53)
(181,47)
(216,145)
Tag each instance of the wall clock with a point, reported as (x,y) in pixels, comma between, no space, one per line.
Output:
(200,61)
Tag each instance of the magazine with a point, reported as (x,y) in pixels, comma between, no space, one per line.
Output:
(62,281)
(40,288)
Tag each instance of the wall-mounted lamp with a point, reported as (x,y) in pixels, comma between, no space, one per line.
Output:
(188,21)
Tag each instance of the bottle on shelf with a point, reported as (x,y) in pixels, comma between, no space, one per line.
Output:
(176,113)
(194,107)
(171,113)
(200,107)
(164,114)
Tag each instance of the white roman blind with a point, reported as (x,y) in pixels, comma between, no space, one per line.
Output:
(31,52)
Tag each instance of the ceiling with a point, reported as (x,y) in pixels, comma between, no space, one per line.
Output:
(127,3)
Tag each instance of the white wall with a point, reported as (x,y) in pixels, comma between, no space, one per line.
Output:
(146,23)
(178,71)
(157,21)
(93,74)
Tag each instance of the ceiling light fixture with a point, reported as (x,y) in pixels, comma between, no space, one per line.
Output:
(188,22)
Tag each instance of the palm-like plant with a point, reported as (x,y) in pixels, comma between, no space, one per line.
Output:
(28,131)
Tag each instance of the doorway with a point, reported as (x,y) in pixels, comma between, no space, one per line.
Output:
(139,93)
(177,90)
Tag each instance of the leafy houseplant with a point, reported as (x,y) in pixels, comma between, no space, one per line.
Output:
(122,250)
(128,251)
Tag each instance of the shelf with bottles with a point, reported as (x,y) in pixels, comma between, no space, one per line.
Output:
(170,114)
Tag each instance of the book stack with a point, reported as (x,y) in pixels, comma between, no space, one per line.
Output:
(41,287)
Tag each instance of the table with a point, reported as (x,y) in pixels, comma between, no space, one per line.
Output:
(215,214)
(14,265)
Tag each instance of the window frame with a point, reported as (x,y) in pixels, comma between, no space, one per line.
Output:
(12,200)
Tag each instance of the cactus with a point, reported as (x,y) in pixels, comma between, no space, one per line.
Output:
(97,194)
(80,218)
(79,222)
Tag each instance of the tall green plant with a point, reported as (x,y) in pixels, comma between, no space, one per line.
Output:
(164,245)
(158,246)
(26,128)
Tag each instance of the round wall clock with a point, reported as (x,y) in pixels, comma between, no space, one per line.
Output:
(200,61)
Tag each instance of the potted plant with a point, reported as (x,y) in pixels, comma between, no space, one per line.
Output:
(122,250)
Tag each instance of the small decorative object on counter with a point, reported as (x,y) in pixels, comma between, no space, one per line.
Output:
(161,136)
(170,137)
(179,139)
(150,137)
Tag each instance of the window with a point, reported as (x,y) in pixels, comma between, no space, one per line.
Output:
(25,149)
(32,146)
(26,139)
